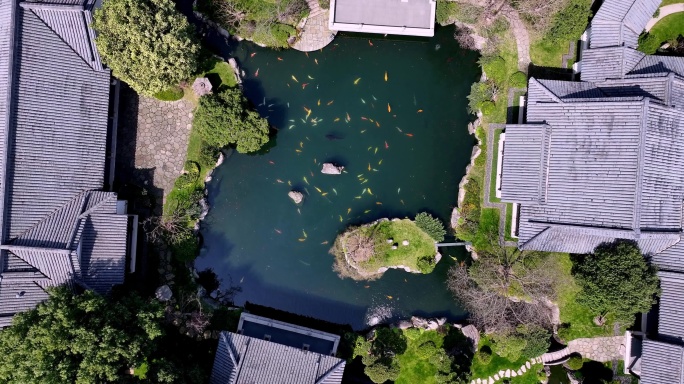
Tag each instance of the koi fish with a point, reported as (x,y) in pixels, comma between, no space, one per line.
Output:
(298,150)
(295,79)
(334,191)
(304,85)
(303,121)
(289,183)
(380,162)
(308,114)
(253,54)
(271,162)
(307,264)
(378,203)
(377,124)
(385,75)
(363,101)
(363,118)
(371,120)
(318,189)
(420,111)
(311,78)
(376,151)
(364,191)
(386,145)
(278,231)
(319,102)
(279,59)
(340,218)
(369,42)
(305,180)
(288,104)
(370,192)
(291,126)
(348,118)
(366,286)
(364,182)
(348,210)
(302,239)
(357,81)
(369,148)
(374,98)
(307,54)
(398,190)
(325,242)
(301,144)
(369,167)
(304,233)
(363,131)
(402,202)
(399,129)
(316,61)
(357,197)
(366,211)
(389,109)
(330,102)
(409,134)
(256,74)
(279,181)
(315,160)
(389,297)
(336,119)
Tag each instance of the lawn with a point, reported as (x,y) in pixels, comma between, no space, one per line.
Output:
(414,367)
(495,164)
(668,28)
(669,2)
(508,52)
(172,94)
(546,54)
(498,363)
(420,244)
(220,75)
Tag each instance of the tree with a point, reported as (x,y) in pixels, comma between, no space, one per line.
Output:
(224,118)
(82,339)
(505,288)
(431,225)
(378,354)
(147,43)
(616,279)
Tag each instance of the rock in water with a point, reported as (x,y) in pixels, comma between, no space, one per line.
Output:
(163,293)
(297,197)
(331,169)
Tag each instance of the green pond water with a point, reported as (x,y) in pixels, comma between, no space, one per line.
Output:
(407,160)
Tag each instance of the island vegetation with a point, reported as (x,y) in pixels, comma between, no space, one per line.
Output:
(367,251)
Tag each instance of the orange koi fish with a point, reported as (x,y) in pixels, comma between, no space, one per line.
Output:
(389,109)
(385,75)
(370,43)
(409,134)
(253,54)
(378,124)
(319,102)
(279,59)
(420,111)
(304,85)
(256,74)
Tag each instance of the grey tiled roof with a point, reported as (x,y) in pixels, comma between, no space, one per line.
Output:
(659,64)
(525,169)
(661,363)
(608,63)
(55,227)
(620,22)
(671,314)
(246,360)
(671,259)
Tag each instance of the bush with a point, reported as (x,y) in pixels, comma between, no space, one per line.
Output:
(224,118)
(426,264)
(208,155)
(487,107)
(495,68)
(509,346)
(479,93)
(484,355)
(538,340)
(445,11)
(382,370)
(427,350)
(575,363)
(171,94)
(518,80)
(147,43)
(431,225)
(184,246)
(569,23)
(281,33)
(656,13)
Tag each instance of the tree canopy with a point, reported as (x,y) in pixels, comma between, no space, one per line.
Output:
(616,280)
(78,339)
(224,118)
(147,43)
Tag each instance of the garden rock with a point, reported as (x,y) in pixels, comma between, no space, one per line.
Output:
(297,197)
(404,324)
(331,169)
(163,293)
(201,86)
(405,243)
(470,332)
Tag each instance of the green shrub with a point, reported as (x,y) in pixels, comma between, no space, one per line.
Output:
(537,340)
(484,355)
(656,13)
(224,118)
(495,68)
(427,350)
(281,33)
(509,346)
(479,93)
(487,107)
(569,23)
(431,225)
(445,11)
(174,93)
(575,363)
(382,371)
(518,80)
(185,246)
(208,155)
(412,333)
(426,264)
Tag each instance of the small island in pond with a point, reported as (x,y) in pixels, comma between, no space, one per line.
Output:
(367,251)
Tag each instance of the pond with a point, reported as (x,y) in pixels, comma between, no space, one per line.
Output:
(393,113)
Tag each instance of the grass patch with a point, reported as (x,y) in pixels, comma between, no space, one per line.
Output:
(414,367)
(483,370)
(495,164)
(509,222)
(670,2)
(667,29)
(509,54)
(221,75)
(576,319)
(172,94)
(548,54)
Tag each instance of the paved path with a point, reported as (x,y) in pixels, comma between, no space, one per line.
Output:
(601,349)
(522,37)
(153,141)
(665,11)
(501,375)
(315,33)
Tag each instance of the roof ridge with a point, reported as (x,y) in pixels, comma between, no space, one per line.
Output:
(643,129)
(330,371)
(546,90)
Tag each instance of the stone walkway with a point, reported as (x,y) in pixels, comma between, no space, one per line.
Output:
(522,37)
(665,11)
(153,141)
(600,349)
(508,373)
(315,34)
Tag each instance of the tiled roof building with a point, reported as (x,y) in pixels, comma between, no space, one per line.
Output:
(56,225)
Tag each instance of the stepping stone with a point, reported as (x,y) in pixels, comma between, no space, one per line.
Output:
(507,373)
(472,382)
(496,376)
(478,381)
(527,364)
(491,381)
(519,372)
(513,374)
(501,373)
(523,369)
